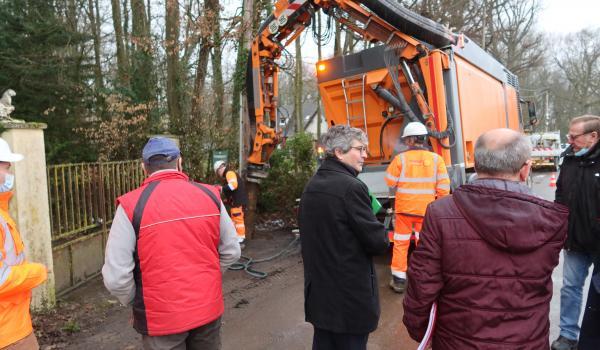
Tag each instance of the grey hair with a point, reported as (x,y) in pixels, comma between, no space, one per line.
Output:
(590,123)
(341,137)
(503,158)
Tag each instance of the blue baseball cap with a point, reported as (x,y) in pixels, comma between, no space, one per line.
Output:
(160,146)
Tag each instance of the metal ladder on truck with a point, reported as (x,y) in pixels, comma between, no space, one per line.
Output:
(348,86)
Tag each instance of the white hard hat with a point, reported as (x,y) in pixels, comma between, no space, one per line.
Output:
(414,129)
(217,165)
(6,154)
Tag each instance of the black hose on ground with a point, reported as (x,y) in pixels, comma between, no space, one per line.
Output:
(245,263)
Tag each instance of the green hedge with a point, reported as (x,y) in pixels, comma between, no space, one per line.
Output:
(291,168)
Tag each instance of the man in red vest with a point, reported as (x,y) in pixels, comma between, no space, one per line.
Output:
(170,241)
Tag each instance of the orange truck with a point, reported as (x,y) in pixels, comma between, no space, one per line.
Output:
(417,70)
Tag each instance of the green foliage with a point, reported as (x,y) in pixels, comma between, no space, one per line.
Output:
(291,168)
(40,59)
(71,326)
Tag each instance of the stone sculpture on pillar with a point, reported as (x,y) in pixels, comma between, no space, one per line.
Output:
(6,107)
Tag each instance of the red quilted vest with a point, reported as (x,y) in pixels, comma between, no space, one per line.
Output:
(177,271)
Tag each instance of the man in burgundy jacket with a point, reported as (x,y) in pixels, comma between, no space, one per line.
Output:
(486,256)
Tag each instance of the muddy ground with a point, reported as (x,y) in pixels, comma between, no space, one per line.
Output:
(260,313)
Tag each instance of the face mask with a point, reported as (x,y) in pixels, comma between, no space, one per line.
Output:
(582,151)
(9,181)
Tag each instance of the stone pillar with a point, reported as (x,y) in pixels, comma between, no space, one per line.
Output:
(29,206)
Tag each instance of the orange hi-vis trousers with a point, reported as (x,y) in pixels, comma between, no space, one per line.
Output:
(404,228)
(237,216)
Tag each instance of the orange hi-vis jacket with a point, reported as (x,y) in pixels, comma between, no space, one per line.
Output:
(418,177)
(17,279)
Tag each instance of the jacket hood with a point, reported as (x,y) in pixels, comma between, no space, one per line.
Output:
(509,220)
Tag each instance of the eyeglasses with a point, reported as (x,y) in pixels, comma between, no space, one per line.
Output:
(361,149)
(574,137)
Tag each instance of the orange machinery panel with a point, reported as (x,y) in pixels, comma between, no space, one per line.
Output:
(335,103)
(432,67)
(482,105)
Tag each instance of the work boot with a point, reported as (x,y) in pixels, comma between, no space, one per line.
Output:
(563,343)
(398,284)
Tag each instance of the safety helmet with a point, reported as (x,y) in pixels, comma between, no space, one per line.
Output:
(6,154)
(217,165)
(414,129)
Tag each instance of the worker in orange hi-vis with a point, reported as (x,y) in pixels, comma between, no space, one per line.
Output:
(235,196)
(416,177)
(17,276)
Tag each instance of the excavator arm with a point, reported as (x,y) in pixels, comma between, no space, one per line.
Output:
(383,21)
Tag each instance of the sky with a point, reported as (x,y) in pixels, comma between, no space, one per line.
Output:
(568,16)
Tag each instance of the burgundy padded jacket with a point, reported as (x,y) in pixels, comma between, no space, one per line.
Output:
(486,257)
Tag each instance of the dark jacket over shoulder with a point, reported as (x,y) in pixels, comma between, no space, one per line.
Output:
(578,187)
(486,257)
(339,235)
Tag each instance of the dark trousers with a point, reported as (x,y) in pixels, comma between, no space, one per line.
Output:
(326,340)
(207,337)
(589,337)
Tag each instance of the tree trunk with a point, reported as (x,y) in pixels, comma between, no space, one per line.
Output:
(337,44)
(71,15)
(94,23)
(298,113)
(174,79)
(143,77)
(126,33)
(239,77)
(122,62)
(218,85)
(208,19)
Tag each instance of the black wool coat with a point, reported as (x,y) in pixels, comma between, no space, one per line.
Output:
(339,236)
(578,187)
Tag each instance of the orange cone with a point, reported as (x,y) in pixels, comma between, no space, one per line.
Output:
(553,180)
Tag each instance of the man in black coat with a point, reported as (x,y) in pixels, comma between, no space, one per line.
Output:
(340,235)
(578,187)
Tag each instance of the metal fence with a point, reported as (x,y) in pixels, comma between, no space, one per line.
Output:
(82,196)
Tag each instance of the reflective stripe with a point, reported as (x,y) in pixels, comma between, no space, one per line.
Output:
(10,257)
(436,159)
(416,191)
(443,177)
(399,274)
(444,186)
(402,237)
(417,235)
(418,179)
(9,253)
(403,164)
(239,225)
(178,219)
(4,273)
(392,178)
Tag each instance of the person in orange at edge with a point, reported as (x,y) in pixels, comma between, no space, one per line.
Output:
(235,195)
(416,177)
(17,276)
